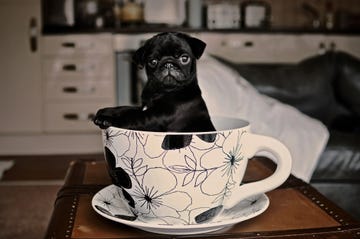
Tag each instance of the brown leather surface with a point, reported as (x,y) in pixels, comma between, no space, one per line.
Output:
(296,210)
(96,173)
(289,210)
(89,224)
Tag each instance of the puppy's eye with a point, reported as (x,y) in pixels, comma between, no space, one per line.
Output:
(184,59)
(153,63)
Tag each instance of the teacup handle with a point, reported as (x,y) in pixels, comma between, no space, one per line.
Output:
(255,144)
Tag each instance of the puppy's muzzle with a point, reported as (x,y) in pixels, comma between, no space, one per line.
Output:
(170,69)
(169,66)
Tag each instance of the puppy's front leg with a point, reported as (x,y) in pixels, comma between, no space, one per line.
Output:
(122,116)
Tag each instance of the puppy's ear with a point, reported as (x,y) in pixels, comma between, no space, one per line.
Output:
(139,57)
(197,46)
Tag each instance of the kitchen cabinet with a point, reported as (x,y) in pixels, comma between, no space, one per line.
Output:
(20,67)
(276,48)
(349,44)
(78,75)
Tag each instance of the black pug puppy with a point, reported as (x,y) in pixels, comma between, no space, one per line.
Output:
(171,98)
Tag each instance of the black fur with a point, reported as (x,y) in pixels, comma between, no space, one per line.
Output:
(171,99)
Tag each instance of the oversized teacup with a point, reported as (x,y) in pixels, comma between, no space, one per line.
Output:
(193,184)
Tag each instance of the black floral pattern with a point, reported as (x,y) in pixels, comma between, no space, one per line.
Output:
(110,201)
(156,181)
(118,176)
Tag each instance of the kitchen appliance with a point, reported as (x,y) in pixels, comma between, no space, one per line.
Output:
(58,13)
(129,79)
(94,13)
(223,16)
(255,14)
(130,12)
(86,12)
(195,13)
(169,12)
(80,14)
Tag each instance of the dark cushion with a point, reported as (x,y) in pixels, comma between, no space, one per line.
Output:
(347,84)
(341,158)
(344,194)
(307,85)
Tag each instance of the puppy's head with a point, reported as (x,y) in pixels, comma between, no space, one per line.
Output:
(169,60)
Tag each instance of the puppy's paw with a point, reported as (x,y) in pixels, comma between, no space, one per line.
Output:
(102,123)
(102,119)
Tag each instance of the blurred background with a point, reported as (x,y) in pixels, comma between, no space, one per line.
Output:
(61,60)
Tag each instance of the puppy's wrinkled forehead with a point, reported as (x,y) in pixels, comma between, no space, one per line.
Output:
(168,45)
(172,44)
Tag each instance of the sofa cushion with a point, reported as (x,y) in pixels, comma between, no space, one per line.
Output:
(341,159)
(344,194)
(307,85)
(347,83)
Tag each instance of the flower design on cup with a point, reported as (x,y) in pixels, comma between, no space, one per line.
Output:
(119,176)
(159,199)
(198,164)
(108,202)
(112,139)
(188,185)
(185,162)
(223,170)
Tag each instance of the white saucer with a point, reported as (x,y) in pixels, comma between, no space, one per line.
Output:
(109,204)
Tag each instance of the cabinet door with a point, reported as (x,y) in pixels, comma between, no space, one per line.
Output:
(20,70)
(264,48)
(348,44)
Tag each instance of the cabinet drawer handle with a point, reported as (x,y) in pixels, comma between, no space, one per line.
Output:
(70,89)
(91,116)
(68,44)
(81,116)
(71,116)
(69,67)
(248,44)
(33,32)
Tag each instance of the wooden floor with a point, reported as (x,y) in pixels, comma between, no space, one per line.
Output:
(28,191)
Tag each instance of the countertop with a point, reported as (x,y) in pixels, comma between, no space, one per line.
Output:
(162,28)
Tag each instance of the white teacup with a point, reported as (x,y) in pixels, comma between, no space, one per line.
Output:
(193,184)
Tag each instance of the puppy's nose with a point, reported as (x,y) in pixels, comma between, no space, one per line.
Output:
(169,65)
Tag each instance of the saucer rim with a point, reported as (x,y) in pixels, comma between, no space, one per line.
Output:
(218,224)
